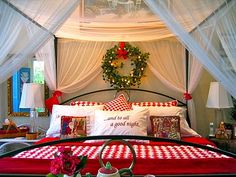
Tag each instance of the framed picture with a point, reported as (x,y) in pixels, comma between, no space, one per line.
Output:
(14,89)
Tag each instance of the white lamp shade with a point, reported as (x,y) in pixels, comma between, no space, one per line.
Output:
(218,97)
(32,96)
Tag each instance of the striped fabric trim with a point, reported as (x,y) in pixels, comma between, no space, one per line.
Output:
(158,104)
(85,103)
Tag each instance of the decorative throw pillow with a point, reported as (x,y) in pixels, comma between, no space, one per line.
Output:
(185,130)
(66,110)
(72,126)
(118,104)
(132,122)
(166,127)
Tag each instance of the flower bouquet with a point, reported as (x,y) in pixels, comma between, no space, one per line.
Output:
(66,164)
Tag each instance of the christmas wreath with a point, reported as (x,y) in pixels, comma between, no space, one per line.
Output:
(112,64)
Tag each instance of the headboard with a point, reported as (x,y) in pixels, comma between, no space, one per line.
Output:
(130,94)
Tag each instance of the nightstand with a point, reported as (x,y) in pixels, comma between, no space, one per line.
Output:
(225,144)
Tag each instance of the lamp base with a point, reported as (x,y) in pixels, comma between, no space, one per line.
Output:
(31,136)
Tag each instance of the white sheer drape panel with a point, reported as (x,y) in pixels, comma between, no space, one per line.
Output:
(113,32)
(195,71)
(221,68)
(30,44)
(47,54)
(78,63)
(108,23)
(226,30)
(167,62)
(10,25)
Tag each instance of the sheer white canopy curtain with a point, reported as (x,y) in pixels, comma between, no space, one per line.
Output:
(213,21)
(17,45)
(168,63)
(44,16)
(78,63)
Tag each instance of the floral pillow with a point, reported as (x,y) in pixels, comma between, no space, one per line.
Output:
(118,104)
(166,127)
(72,126)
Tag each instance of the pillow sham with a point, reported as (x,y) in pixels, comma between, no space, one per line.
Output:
(73,126)
(133,122)
(66,110)
(118,104)
(166,127)
(185,130)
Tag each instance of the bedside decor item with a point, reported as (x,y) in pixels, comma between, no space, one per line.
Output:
(219,99)
(10,130)
(32,97)
(221,131)
(234,131)
(112,65)
(211,130)
(66,164)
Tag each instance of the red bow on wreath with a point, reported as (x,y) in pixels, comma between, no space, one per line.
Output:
(53,100)
(121,52)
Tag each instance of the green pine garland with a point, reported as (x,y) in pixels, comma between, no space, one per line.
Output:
(111,63)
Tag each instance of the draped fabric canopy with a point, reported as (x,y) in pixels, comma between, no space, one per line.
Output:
(207,28)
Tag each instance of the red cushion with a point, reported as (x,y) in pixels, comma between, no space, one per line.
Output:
(118,104)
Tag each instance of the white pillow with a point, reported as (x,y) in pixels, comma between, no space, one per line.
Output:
(133,122)
(185,130)
(66,110)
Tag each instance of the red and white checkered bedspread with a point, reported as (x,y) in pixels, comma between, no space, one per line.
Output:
(143,151)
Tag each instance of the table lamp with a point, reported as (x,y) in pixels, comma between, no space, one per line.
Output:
(32,97)
(219,99)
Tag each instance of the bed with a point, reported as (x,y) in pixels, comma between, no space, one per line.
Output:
(154,135)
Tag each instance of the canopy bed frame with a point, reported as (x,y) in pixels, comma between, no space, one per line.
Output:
(16,162)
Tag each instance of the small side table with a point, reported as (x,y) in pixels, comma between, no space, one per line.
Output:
(225,144)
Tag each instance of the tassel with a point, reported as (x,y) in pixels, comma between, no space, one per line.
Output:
(187,96)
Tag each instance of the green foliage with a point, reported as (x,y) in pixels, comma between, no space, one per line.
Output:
(111,63)
(51,175)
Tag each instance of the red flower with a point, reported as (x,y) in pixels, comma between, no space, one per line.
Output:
(66,163)
(56,165)
(69,166)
